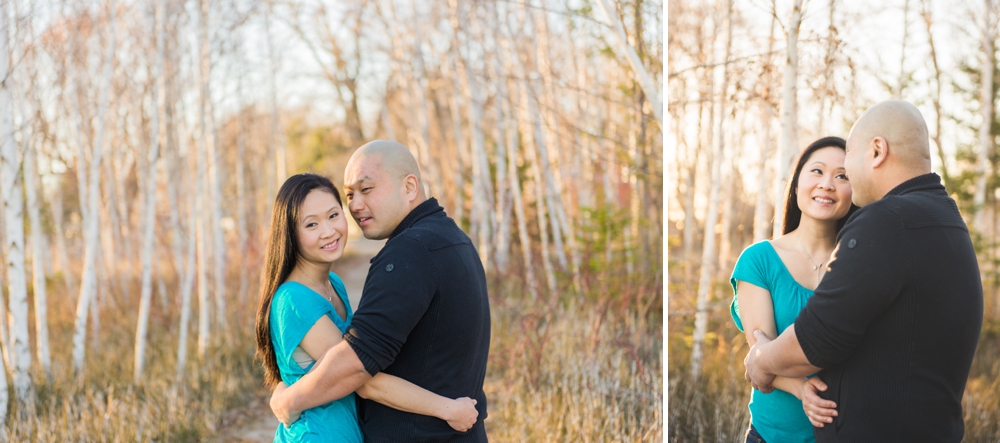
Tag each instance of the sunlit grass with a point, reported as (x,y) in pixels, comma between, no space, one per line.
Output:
(713,408)
(569,372)
(577,367)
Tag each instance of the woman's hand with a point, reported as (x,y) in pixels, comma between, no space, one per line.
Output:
(460,413)
(819,410)
(285,416)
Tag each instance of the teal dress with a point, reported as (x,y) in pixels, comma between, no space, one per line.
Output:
(777,416)
(294,310)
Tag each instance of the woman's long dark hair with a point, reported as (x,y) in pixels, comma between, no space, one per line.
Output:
(793,214)
(280,259)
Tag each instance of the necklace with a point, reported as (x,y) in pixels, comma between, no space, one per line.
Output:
(816,267)
(326,288)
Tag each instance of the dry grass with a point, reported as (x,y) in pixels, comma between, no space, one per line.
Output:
(107,406)
(713,408)
(563,371)
(580,367)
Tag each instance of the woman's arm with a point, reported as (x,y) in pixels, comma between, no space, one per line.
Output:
(397,393)
(757,312)
(392,391)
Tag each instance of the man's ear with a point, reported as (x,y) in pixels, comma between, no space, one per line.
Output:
(412,185)
(880,150)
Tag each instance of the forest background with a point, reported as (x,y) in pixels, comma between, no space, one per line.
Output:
(142,143)
(752,83)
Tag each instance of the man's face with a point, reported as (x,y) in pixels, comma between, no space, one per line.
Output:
(374,197)
(855,165)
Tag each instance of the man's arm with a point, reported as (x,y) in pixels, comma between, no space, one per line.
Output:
(338,373)
(782,356)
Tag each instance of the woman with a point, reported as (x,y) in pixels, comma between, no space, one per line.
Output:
(304,311)
(773,280)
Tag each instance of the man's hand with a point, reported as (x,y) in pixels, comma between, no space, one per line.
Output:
(757,377)
(819,410)
(280,409)
(461,414)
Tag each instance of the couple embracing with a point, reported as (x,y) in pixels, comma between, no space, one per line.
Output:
(409,365)
(863,320)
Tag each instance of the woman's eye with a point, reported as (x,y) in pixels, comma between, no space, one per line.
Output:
(816,171)
(334,215)
(843,177)
(309,225)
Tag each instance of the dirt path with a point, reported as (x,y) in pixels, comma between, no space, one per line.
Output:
(259,423)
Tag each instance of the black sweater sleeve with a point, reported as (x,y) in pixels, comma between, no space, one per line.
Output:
(867,272)
(400,286)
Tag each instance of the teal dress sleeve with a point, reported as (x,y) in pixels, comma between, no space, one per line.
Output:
(752,268)
(294,311)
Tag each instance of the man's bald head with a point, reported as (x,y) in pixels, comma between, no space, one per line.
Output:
(902,126)
(394,158)
(887,146)
(382,184)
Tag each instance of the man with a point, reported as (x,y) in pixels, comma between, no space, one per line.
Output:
(895,322)
(425,313)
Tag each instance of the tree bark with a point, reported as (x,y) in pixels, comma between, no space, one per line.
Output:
(936,98)
(149,222)
(13,204)
(208,138)
(789,110)
(88,287)
(983,166)
(624,49)
(708,258)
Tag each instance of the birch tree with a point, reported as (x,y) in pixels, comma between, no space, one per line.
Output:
(13,213)
(983,165)
(708,258)
(928,17)
(88,287)
(622,47)
(149,212)
(789,109)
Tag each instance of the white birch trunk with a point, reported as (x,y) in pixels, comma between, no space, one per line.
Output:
(625,50)
(202,258)
(88,287)
(37,263)
(708,259)
(275,143)
(429,165)
(528,121)
(555,189)
(241,209)
(186,287)
(13,213)
(149,214)
(503,203)
(38,240)
(902,51)
(56,205)
(789,112)
(482,195)
(983,169)
(762,229)
(214,174)
(936,98)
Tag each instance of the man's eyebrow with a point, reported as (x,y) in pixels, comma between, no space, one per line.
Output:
(359,181)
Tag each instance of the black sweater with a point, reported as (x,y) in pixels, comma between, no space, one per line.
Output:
(896,320)
(424,317)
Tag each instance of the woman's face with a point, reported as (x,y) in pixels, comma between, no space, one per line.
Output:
(823,192)
(321,228)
